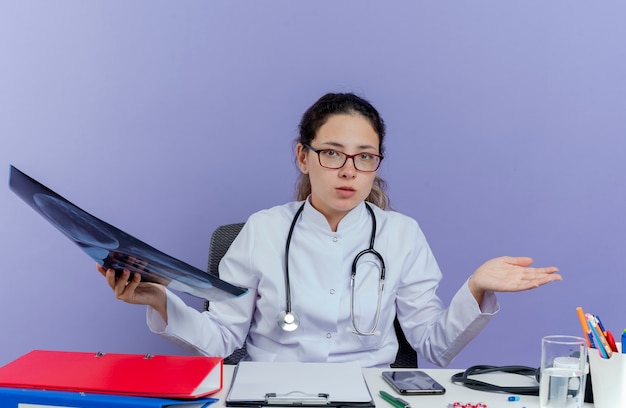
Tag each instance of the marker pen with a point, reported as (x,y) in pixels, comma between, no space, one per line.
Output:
(611,340)
(396,402)
(600,324)
(623,341)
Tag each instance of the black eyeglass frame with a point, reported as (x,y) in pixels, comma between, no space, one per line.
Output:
(348,156)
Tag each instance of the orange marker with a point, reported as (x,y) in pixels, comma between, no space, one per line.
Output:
(585,326)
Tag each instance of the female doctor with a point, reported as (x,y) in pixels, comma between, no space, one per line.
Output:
(327,274)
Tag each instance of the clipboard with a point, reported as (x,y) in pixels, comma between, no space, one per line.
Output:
(114,248)
(286,384)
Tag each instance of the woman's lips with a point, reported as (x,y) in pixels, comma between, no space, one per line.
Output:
(345,192)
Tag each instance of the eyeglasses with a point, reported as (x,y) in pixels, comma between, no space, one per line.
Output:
(334,159)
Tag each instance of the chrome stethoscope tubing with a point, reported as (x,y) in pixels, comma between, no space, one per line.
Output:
(289,321)
(381,282)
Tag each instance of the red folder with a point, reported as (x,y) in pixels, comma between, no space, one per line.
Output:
(121,374)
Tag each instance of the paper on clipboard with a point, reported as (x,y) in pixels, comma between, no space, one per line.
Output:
(301,384)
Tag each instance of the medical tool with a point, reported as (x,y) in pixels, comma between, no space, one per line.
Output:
(290,321)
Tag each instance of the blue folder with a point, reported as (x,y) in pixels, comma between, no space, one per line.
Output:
(11,397)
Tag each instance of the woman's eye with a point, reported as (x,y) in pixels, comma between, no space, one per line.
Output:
(366,157)
(330,153)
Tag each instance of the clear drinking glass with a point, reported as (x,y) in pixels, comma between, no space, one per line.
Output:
(563,372)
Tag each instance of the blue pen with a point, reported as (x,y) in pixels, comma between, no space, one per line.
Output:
(623,341)
(600,345)
(600,324)
(591,341)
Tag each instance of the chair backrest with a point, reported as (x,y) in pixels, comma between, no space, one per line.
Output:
(221,239)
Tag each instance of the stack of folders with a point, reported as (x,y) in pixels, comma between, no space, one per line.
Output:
(99,380)
(598,337)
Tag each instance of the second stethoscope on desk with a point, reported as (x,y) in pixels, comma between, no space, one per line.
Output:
(288,320)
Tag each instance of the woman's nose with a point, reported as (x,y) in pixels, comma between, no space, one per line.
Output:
(348,169)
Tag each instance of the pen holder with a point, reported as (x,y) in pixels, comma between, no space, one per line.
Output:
(608,379)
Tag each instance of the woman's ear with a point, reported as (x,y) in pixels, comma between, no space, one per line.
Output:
(302,156)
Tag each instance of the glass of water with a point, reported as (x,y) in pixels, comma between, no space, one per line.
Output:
(563,372)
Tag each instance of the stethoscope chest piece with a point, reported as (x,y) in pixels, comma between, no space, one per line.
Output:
(288,321)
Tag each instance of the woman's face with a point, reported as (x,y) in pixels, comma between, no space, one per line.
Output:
(334,192)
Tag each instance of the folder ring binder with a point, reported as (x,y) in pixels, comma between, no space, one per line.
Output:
(139,375)
(298,398)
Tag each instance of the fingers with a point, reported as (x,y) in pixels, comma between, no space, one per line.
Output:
(512,274)
(535,277)
(542,280)
(110,277)
(546,275)
(123,288)
(548,271)
(553,277)
(101,269)
(542,274)
(525,261)
(518,260)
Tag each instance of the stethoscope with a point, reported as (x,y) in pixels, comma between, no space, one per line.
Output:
(288,320)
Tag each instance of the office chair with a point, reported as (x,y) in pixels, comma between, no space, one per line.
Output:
(221,239)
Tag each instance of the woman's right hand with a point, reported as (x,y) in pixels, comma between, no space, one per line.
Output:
(136,292)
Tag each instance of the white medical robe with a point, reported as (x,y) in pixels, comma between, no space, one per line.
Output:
(320,264)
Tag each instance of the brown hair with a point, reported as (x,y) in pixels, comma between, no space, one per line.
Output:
(335,104)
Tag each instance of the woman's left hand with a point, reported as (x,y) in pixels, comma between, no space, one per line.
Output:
(510,274)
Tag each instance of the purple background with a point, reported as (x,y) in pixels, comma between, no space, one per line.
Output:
(506,136)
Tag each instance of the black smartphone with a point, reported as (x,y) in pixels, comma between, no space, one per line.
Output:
(413,382)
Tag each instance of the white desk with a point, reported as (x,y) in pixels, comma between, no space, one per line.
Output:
(454,392)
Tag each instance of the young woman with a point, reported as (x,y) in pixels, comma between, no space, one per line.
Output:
(336,245)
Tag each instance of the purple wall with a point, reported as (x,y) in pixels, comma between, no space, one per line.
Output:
(506,137)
